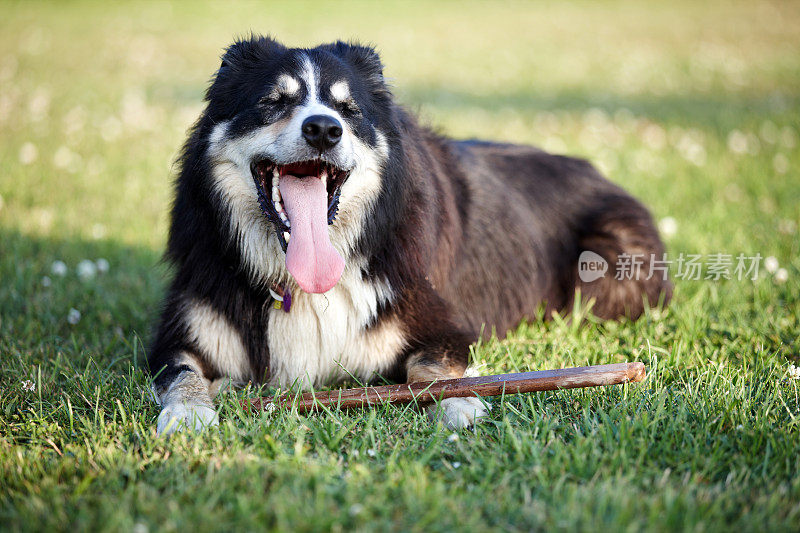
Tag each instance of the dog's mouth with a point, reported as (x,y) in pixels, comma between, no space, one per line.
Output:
(301,199)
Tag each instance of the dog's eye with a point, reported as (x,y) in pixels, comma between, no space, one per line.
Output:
(275,98)
(347,107)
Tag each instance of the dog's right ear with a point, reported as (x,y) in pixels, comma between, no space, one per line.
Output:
(364,59)
(244,52)
(240,57)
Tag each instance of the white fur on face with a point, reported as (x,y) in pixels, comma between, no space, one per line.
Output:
(291,141)
(340,91)
(288,85)
(231,158)
(309,77)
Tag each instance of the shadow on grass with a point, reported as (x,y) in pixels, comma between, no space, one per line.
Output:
(115,307)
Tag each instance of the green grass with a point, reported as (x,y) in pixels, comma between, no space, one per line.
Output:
(693,107)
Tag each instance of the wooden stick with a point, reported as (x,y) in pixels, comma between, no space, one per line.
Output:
(429,391)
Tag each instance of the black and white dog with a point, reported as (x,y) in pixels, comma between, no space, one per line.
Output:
(318,231)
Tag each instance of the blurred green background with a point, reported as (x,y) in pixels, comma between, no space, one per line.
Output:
(105,92)
(692,106)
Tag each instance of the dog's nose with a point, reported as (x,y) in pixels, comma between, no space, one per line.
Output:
(323,132)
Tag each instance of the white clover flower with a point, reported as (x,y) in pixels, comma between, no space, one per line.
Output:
(788,137)
(771,264)
(28,153)
(39,104)
(456,464)
(371,452)
(668,226)
(554,144)
(769,132)
(28,385)
(691,148)
(453,437)
(780,163)
(46,281)
(58,268)
(787,226)
(782,275)
(86,270)
(654,137)
(99,231)
(74,121)
(737,142)
(355,509)
(63,157)
(74,316)
(102,265)
(794,372)
(111,129)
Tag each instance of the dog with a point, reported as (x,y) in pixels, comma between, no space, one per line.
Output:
(319,233)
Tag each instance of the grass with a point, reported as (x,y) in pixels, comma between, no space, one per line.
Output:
(693,107)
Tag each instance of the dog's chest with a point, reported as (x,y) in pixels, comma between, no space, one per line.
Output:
(324,338)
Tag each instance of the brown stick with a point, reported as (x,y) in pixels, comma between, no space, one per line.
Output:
(429,391)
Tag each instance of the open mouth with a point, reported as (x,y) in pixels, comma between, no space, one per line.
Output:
(267,176)
(301,200)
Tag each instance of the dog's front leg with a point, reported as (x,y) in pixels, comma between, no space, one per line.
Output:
(183,393)
(444,354)
(454,413)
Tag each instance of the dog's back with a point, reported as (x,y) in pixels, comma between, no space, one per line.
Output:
(533,214)
(505,225)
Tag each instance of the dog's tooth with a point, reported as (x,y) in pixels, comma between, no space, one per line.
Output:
(277,206)
(276,195)
(286,236)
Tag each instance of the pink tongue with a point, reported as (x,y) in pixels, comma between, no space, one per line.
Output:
(311,258)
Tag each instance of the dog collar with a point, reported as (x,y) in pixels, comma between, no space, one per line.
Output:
(282,297)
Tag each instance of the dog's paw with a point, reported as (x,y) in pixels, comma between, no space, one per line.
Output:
(181,416)
(458,413)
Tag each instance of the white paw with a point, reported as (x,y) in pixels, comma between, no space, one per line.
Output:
(457,413)
(180,416)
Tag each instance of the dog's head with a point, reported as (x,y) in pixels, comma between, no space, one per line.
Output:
(296,145)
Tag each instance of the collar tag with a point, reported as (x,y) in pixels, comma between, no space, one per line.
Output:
(282,297)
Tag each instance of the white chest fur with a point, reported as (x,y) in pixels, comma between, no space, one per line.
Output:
(324,337)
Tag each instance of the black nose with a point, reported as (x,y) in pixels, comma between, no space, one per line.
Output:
(322,132)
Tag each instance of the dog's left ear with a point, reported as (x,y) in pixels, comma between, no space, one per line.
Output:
(363,58)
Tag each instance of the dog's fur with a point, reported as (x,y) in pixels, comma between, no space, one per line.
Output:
(440,239)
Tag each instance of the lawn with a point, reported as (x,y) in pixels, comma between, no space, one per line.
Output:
(694,107)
